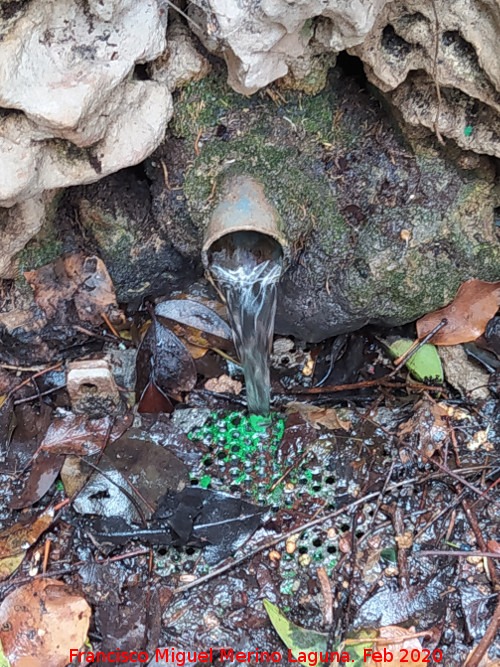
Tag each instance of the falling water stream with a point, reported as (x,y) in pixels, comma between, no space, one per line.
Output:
(247,267)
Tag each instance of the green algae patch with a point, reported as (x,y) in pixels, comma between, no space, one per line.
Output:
(44,248)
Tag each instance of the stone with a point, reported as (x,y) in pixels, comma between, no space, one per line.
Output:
(181,62)
(65,77)
(261,40)
(29,165)
(116,214)
(463,374)
(379,229)
(399,57)
(72,109)
(18,225)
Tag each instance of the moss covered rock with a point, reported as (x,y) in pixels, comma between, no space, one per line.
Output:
(379,229)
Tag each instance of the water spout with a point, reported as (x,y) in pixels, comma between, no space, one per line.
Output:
(244,255)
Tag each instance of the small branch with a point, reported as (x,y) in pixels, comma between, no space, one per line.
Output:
(434,74)
(401,361)
(478,554)
(270,543)
(489,637)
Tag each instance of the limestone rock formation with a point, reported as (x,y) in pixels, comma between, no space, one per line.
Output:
(71,109)
(412,50)
(261,40)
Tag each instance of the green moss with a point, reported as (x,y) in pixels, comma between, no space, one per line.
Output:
(203,104)
(45,247)
(263,144)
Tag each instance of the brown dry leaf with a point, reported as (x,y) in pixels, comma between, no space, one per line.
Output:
(41,622)
(163,361)
(77,280)
(224,385)
(475,303)
(395,642)
(318,416)
(76,434)
(43,473)
(14,542)
(195,323)
(426,429)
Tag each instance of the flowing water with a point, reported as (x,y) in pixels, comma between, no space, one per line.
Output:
(247,267)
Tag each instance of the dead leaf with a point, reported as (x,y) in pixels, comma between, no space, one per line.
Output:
(194,322)
(224,385)
(15,540)
(153,401)
(163,362)
(43,473)
(474,305)
(77,280)
(76,434)
(395,643)
(318,416)
(41,622)
(427,428)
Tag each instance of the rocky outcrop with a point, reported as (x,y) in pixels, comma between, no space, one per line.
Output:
(261,41)
(438,63)
(71,108)
(436,60)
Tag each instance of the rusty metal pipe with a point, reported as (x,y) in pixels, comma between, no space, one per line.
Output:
(242,206)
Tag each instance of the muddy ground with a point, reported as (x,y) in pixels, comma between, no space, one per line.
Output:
(395,487)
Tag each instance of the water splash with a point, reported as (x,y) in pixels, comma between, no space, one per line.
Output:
(249,284)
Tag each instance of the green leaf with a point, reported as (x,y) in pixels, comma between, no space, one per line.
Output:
(296,639)
(3,660)
(389,555)
(424,365)
(357,650)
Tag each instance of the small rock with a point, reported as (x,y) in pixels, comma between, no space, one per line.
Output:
(92,388)
(470,380)
(304,560)
(224,385)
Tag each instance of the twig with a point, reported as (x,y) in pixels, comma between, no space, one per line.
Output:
(381,382)
(32,377)
(397,517)
(290,468)
(22,369)
(110,326)
(415,347)
(197,140)
(478,554)
(488,638)
(44,393)
(109,338)
(471,517)
(226,356)
(46,553)
(272,542)
(434,74)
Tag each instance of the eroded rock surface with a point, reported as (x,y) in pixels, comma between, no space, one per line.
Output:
(262,41)
(411,48)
